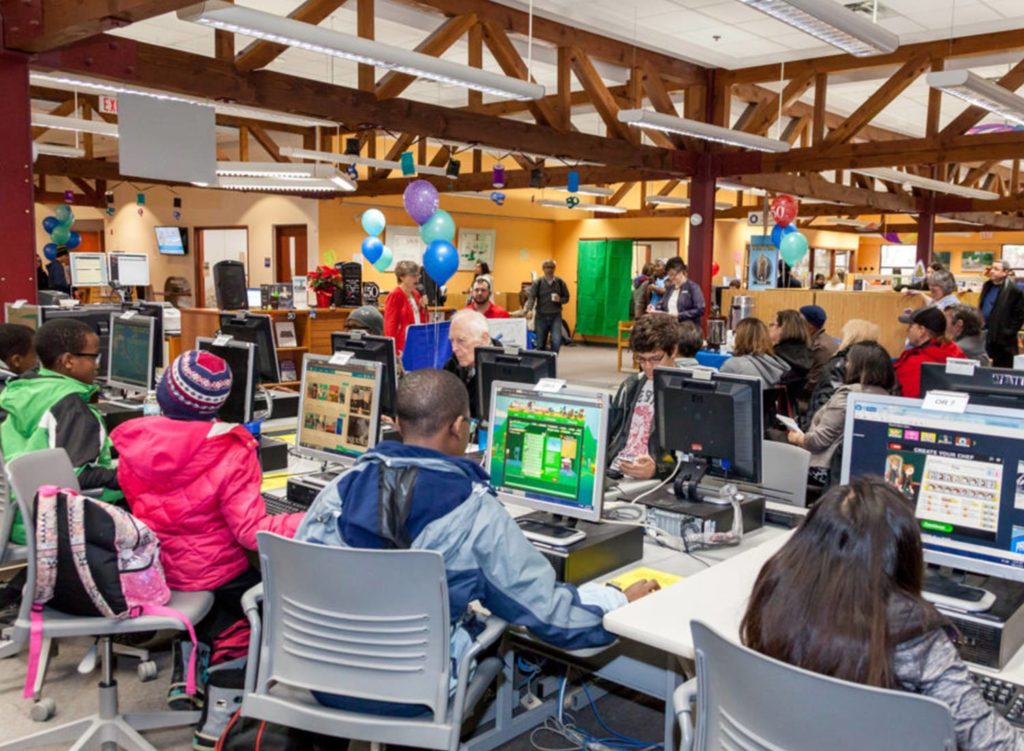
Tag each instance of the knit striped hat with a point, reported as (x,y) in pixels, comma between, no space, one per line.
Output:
(195,386)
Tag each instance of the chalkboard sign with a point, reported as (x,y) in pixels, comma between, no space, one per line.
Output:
(371,293)
(351,284)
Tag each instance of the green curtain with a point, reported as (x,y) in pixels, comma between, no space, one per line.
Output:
(604,269)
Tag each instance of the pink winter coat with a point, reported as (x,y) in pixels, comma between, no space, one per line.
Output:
(197,486)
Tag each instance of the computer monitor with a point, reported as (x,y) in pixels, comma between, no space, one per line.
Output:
(26,315)
(373,349)
(51,296)
(95,316)
(512,366)
(964,473)
(254,296)
(156,312)
(129,269)
(130,363)
(715,418)
(986,387)
(241,358)
(257,329)
(339,409)
(545,450)
(88,269)
(172,241)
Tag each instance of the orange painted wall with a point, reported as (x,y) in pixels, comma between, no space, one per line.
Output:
(870,252)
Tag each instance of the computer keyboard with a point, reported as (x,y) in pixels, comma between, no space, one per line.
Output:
(1005,697)
(277,504)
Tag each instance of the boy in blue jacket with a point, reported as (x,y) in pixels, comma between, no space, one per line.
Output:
(453,509)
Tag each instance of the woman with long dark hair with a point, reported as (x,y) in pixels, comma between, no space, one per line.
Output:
(843,598)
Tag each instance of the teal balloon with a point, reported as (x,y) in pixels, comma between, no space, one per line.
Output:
(64,214)
(779,232)
(792,248)
(440,226)
(61,234)
(371,249)
(386,257)
(374,222)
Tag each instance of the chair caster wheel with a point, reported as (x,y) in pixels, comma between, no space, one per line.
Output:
(43,709)
(147,671)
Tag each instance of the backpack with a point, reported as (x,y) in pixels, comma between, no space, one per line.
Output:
(250,734)
(94,559)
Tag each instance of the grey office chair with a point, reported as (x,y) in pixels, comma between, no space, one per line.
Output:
(10,552)
(26,473)
(746,700)
(369,624)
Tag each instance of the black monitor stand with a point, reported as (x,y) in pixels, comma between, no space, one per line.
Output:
(942,588)
(551,529)
(688,477)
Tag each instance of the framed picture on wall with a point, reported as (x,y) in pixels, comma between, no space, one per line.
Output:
(476,246)
(975,261)
(405,244)
(943,257)
(1014,255)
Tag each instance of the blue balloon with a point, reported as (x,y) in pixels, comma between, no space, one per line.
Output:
(372,248)
(50,251)
(373,222)
(441,261)
(74,240)
(49,223)
(779,232)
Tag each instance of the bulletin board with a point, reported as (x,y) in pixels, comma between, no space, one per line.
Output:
(475,246)
(405,243)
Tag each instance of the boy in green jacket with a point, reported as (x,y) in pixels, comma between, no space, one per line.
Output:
(53,410)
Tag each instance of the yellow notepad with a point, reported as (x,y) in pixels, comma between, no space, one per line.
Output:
(274,481)
(622,581)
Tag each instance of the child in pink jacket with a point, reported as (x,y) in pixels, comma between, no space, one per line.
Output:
(195,481)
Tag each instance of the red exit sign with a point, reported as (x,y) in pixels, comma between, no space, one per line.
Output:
(108,105)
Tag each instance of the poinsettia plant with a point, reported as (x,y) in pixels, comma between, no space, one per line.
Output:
(324,279)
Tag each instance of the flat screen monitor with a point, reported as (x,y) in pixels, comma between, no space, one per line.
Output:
(241,358)
(88,269)
(495,364)
(339,409)
(373,349)
(129,269)
(715,417)
(258,330)
(986,387)
(130,364)
(95,316)
(156,312)
(172,241)
(546,450)
(26,315)
(964,473)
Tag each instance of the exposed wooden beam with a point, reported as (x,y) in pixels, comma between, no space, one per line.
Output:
(264,140)
(436,44)
(668,187)
(795,129)
(512,63)
(1012,80)
(61,110)
(621,193)
(934,102)
(564,95)
(898,82)
(243,144)
(475,59)
(978,172)
(519,178)
(819,114)
(657,93)
(365,29)
(603,101)
(399,147)
(260,54)
(814,186)
(767,112)
(224,43)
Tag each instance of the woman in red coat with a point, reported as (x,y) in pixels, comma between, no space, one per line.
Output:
(404,306)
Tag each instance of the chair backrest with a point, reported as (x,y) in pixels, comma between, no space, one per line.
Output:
(377,627)
(783,474)
(746,700)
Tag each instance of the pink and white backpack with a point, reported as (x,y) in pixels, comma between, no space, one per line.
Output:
(95,559)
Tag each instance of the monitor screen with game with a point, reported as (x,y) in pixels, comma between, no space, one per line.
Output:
(513,365)
(339,409)
(95,316)
(129,269)
(88,269)
(374,349)
(715,417)
(172,241)
(241,358)
(546,450)
(964,473)
(130,364)
(257,329)
(985,387)
(26,315)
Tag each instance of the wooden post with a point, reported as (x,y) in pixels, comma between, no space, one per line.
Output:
(926,231)
(17,212)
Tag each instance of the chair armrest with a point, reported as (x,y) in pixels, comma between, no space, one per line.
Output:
(683,701)
(494,627)
(251,607)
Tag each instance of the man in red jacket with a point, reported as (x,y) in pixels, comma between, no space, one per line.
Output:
(928,343)
(482,303)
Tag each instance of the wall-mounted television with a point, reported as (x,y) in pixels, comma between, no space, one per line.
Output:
(172,241)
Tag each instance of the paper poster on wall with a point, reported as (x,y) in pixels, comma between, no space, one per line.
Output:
(405,243)
(976,261)
(764,263)
(476,246)
(509,332)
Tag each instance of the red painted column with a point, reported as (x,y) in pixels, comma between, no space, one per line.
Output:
(926,230)
(17,213)
(701,245)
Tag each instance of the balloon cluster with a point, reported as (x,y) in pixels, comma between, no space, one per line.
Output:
(437,230)
(792,245)
(58,227)
(373,249)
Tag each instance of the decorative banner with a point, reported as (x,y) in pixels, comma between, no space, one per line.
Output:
(498,198)
(763,268)
(328,257)
(573,181)
(572,202)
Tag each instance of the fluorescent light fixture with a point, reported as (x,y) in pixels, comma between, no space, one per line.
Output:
(306,36)
(859,223)
(362,161)
(641,118)
(75,124)
(285,171)
(964,221)
(723,205)
(53,149)
(938,186)
(980,92)
(296,185)
(596,207)
(668,201)
(591,190)
(740,188)
(831,23)
(468,194)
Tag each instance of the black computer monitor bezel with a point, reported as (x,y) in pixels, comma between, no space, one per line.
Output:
(136,320)
(986,386)
(249,379)
(486,359)
(156,312)
(267,367)
(91,315)
(388,363)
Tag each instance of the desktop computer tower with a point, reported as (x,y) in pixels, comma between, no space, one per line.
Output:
(993,637)
(229,284)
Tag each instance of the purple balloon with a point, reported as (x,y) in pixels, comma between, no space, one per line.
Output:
(441,260)
(420,199)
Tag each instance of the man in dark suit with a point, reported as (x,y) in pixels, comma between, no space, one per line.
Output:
(1002,307)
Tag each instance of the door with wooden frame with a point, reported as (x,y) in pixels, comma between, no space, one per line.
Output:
(214,244)
(290,252)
